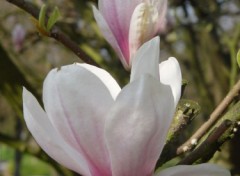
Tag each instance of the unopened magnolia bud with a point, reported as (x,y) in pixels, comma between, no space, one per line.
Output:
(18,36)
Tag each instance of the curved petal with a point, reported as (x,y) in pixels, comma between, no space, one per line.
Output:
(170,74)
(162,9)
(76,100)
(48,138)
(120,12)
(143,26)
(111,84)
(146,60)
(109,36)
(137,125)
(118,15)
(196,170)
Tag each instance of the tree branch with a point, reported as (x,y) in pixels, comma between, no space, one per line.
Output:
(24,147)
(55,33)
(213,142)
(216,114)
(187,110)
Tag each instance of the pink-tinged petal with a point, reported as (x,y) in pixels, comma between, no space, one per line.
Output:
(123,53)
(118,13)
(162,9)
(196,170)
(137,126)
(118,16)
(143,26)
(130,23)
(48,138)
(170,74)
(76,100)
(146,60)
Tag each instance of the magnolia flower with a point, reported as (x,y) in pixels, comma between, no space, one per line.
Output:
(93,127)
(127,24)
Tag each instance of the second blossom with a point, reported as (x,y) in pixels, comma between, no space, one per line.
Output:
(126,25)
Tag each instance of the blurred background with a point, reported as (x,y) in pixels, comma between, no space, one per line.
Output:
(203,35)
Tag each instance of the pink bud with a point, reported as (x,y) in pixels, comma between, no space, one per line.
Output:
(18,36)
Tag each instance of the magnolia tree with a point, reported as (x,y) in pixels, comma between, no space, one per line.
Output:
(92,126)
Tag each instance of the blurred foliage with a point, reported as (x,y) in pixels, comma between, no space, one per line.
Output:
(204,36)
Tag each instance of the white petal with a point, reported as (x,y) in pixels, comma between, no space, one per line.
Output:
(143,26)
(196,170)
(137,125)
(48,138)
(146,60)
(170,74)
(106,79)
(109,36)
(76,100)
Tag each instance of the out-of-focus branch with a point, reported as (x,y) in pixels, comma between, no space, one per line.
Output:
(216,114)
(232,43)
(213,142)
(24,147)
(55,33)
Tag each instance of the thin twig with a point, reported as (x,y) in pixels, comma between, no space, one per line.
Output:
(210,145)
(55,33)
(216,114)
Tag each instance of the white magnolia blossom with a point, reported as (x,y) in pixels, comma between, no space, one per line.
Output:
(92,126)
